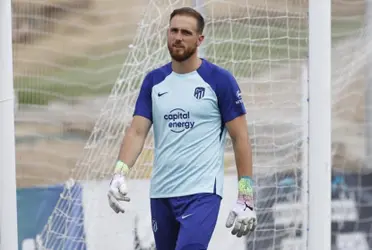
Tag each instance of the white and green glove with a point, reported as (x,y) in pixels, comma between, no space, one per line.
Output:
(118,187)
(243,217)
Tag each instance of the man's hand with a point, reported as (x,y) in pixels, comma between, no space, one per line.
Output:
(243,217)
(118,188)
(130,149)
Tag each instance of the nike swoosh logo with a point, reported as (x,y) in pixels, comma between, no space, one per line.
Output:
(160,94)
(246,206)
(185,216)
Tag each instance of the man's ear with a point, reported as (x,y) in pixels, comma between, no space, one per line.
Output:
(200,39)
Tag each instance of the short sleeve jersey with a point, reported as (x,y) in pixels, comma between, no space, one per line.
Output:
(188,113)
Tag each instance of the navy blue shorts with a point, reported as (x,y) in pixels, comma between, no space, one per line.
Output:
(184,223)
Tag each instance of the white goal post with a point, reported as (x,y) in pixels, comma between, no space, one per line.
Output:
(316,122)
(8,208)
(320,166)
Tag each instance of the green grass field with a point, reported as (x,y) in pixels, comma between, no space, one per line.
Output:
(243,49)
(83,77)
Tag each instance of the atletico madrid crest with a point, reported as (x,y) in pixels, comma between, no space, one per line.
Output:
(199,92)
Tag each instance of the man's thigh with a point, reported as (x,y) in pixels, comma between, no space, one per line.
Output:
(198,221)
(164,225)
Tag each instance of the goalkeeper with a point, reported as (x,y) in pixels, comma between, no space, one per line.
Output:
(191,104)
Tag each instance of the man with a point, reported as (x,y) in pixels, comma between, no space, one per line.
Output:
(191,104)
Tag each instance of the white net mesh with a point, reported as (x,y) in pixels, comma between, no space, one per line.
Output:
(264,44)
(67,55)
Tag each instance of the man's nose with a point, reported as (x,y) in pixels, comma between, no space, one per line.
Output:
(178,36)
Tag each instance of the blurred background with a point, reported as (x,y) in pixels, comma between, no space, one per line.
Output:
(67,56)
(78,65)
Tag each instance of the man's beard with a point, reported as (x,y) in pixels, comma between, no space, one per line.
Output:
(187,53)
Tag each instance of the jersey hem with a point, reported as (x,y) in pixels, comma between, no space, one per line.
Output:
(175,195)
(143,115)
(235,115)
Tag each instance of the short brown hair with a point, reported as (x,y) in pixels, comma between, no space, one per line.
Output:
(187,11)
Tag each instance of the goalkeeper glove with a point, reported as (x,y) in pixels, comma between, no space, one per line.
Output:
(118,187)
(243,217)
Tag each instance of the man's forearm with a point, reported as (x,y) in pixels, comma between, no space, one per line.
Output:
(243,156)
(131,147)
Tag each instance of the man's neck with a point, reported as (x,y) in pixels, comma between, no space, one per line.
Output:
(190,65)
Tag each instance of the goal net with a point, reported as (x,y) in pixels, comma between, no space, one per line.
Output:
(264,44)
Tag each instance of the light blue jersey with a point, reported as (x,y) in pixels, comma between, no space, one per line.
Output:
(188,113)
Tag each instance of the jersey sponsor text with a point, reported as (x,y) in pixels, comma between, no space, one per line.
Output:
(179,120)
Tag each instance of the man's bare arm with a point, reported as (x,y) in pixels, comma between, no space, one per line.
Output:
(134,140)
(242,216)
(238,130)
(130,149)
